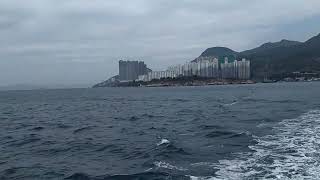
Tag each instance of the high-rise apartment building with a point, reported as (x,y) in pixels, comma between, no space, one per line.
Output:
(209,67)
(235,69)
(243,69)
(131,70)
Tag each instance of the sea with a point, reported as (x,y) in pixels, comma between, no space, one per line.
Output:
(232,132)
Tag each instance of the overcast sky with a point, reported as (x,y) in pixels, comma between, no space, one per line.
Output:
(58,42)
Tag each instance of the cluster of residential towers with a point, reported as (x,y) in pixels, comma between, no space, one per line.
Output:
(207,67)
(131,70)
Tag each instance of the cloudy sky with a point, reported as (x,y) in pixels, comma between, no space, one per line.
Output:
(59,42)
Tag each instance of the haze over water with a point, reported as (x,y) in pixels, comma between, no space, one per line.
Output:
(259,131)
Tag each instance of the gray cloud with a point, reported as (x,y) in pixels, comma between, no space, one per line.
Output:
(80,41)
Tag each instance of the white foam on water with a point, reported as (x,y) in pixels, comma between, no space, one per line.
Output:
(200,178)
(292,152)
(231,104)
(147,170)
(163,141)
(165,165)
(207,164)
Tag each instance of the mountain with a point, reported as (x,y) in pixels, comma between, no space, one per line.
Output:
(276,60)
(218,52)
(270,45)
(285,58)
(109,82)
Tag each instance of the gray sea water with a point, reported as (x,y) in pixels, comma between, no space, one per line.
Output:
(260,131)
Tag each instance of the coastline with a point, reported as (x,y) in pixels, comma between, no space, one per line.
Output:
(218,83)
(169,82)
(188,81)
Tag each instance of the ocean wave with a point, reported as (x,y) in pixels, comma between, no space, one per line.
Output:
(63,126)
(231,104)
(133,118)
(227,134)
(208,127)
(39,128)
(24,141)
(151,116)
(79,130)
(165,165)
(140,176)
(106,147)
(170,151)
(163,141)
(215,134)
(292,152)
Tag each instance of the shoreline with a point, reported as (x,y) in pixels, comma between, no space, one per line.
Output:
(175,83)
(192,83)
(197,84)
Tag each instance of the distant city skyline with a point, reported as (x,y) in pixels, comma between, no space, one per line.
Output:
(51,42)
(208,67)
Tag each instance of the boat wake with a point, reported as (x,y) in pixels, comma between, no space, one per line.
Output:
(292,152)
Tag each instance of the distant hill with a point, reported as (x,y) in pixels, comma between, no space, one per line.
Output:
(218,52)
(286,58)
(270,45)
(109,82)
(275,60)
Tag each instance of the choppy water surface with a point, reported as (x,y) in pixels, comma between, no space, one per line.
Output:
(262,131)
